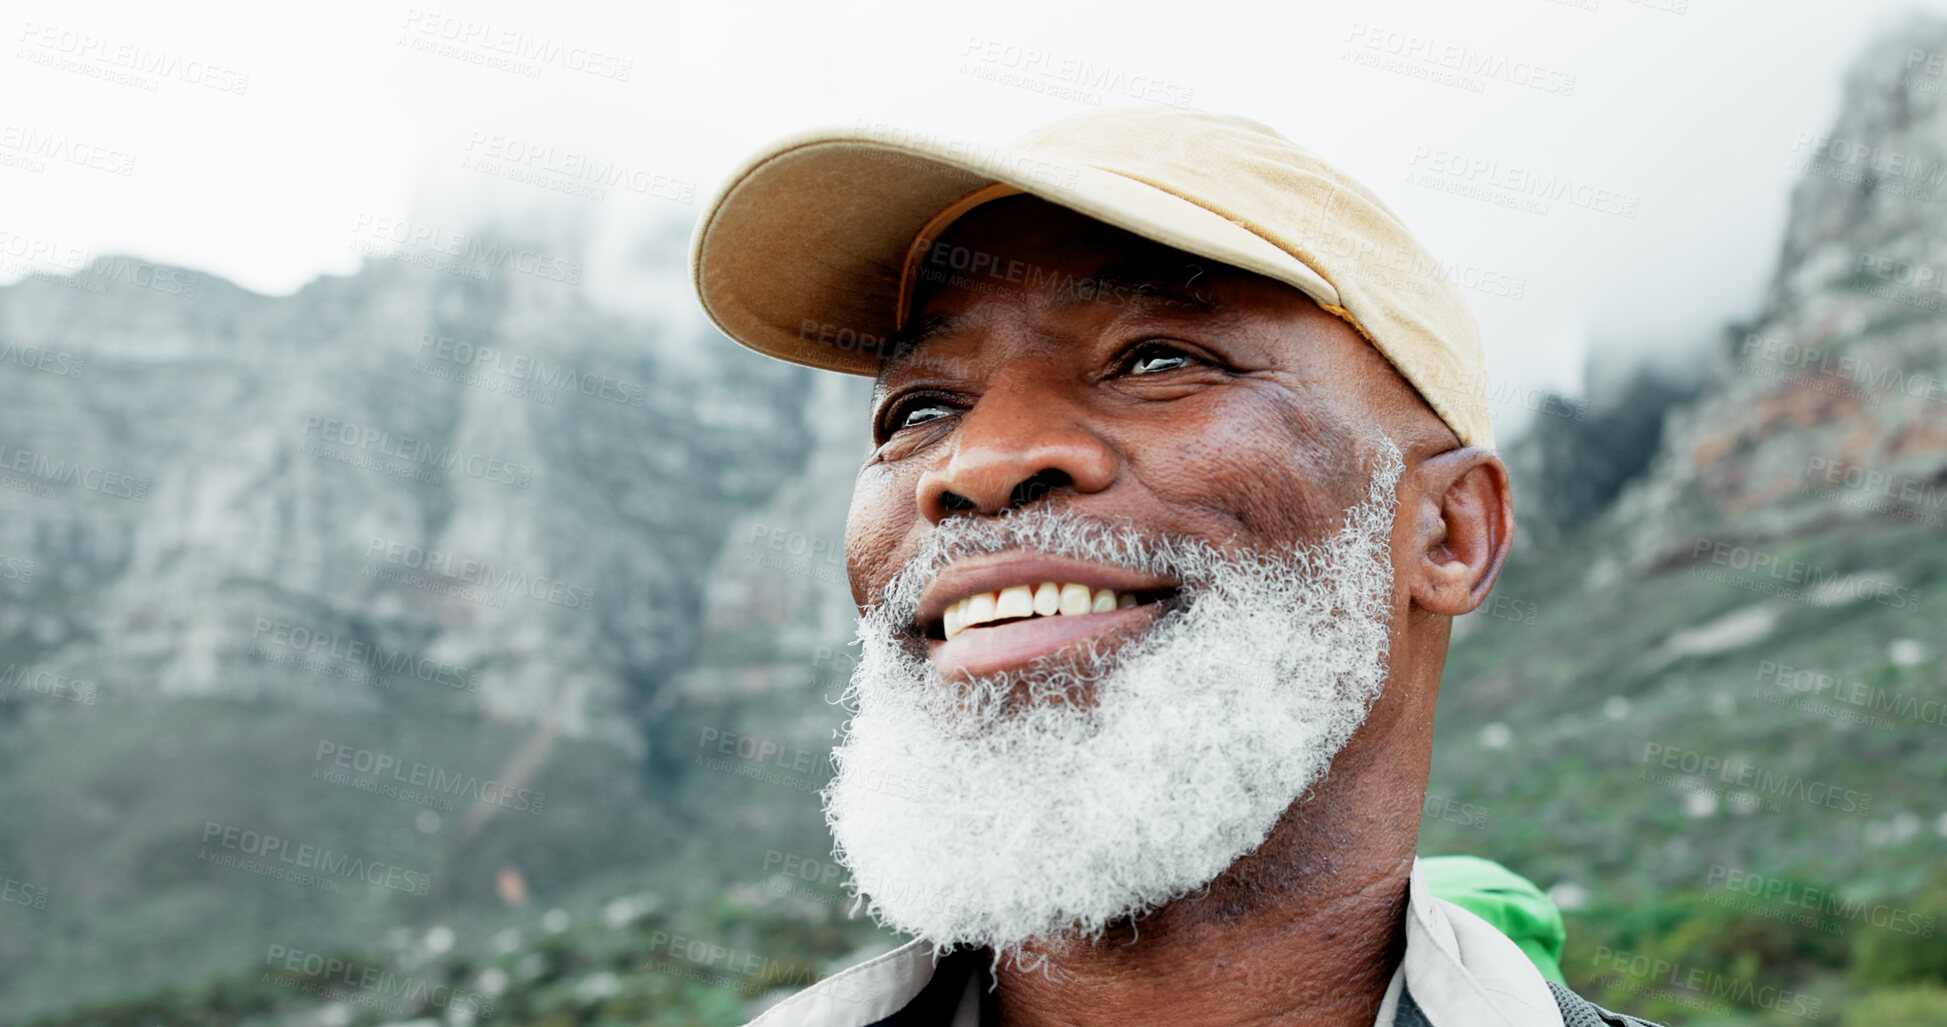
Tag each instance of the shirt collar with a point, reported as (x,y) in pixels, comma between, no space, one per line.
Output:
(1458,969)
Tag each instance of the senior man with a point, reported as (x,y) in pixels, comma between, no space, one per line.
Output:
(1182,470)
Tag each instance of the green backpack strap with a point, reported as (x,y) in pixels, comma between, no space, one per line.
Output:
(1505,899)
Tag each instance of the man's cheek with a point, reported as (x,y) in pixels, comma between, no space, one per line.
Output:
(876,534)
(866,587)
(1284,502)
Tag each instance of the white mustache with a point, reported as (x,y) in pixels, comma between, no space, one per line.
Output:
(1047,531)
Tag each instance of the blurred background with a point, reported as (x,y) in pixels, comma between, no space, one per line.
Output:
(412,611)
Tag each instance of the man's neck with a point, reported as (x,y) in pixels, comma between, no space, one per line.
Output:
(1308,929)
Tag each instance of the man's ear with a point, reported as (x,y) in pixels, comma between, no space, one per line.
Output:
(1462,531)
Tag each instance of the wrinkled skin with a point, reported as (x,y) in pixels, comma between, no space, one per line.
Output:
(1217,404)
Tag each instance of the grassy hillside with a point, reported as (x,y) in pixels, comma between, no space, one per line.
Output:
(1656,750)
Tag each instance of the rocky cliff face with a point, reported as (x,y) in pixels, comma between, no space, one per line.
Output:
(1831,406)
(456,484)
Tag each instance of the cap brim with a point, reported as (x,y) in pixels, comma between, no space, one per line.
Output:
(799,255)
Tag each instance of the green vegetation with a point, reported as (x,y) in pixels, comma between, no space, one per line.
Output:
(1750,810)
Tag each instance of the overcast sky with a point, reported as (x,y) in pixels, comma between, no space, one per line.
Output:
(257,141)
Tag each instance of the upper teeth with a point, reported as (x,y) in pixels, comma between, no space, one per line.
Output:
(1044,600)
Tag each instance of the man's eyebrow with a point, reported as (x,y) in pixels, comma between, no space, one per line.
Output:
(902,345)
(1133,283)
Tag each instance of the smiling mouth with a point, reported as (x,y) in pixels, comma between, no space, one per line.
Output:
(1047,599)
(1006,611)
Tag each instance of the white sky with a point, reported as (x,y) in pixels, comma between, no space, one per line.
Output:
(1697,116)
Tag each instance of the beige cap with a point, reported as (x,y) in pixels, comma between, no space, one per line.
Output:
(806,252)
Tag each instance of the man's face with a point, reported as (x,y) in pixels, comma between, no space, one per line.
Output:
(1196,451)
(1116,378)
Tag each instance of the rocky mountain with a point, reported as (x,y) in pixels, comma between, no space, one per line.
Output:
(444,512)
(1830,405)
(466,482)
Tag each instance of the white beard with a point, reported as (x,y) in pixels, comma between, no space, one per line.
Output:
(969,817)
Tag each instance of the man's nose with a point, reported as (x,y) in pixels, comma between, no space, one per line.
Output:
(1019,442)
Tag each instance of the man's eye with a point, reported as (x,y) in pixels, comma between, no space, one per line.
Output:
(917,414)
(1156,359)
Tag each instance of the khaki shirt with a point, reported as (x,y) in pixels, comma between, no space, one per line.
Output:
(1458,970)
